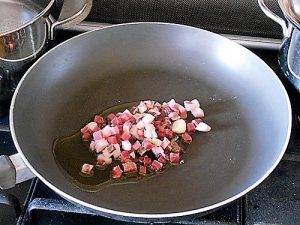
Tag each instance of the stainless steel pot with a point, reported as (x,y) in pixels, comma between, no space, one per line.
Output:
(26,26)
(289,57)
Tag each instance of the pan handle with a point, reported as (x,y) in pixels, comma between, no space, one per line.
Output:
(72,13)
(13,170)
(286,29)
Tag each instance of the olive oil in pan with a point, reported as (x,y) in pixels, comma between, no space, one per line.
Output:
(72,152)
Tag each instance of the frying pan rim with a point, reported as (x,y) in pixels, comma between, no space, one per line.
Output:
(143,215)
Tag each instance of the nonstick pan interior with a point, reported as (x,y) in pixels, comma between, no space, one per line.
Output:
(245,104)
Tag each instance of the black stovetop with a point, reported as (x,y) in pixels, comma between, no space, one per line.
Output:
(275,201)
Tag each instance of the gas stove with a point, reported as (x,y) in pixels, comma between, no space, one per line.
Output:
(275,201)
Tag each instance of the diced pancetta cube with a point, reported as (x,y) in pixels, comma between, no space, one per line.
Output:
(196,103)
(116,121)
(134,131)
(140,133)
(125,117)
(87,169)
(106,131)
(203,127)
(97,135)
(162,160)
(112,140)
(141,151)
(174,116)
(174,158)
(116,153)
(126,126)
(126,145)
(125,136)
(125,156)
(106,153)
(92,145)
(132,155)
(84,129)
(93,126)
(179,126)
(129,167)
(186,137)
(165,143)
(87,136)
(182,112)
(116,172)
(100,145)
(147,144)
(111,116)
(149,104)
(156,141)
(99,120)
(149,131)
(169,133)
(158,151)
(197,112)
(136,145)
(155,111)
(114,130)
(196,121)
(103,160)
(156,166)
(143,170)
(157,104)
(147,161)
(140,124)
(142,107)
(189,105)
(175,147)
(148,118)
(127,113)
(167,110)
(173,105)
(190,127)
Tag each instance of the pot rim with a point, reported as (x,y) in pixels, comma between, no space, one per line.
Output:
(289,14)
(43,12)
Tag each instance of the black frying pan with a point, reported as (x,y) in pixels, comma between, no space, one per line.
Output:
(245,104)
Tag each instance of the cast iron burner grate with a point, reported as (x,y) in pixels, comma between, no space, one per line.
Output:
(46,207)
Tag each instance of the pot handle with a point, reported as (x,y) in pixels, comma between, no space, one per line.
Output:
(286,29)
(72,13)
(13,170)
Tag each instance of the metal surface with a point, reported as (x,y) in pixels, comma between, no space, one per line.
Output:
(157,61)
(291,42)
(23,34)
(23,173)
(26,29)
(273,16)
(291,10)
(289,58)
(7,173)
(293,57)
(246,41)
(27,39)
(72,13)
(17,14)
(13,198)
